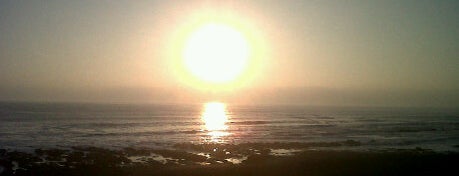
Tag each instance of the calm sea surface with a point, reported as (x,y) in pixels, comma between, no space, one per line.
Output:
(32,125)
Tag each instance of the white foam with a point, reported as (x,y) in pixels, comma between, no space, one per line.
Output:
(236,160)
(283,152)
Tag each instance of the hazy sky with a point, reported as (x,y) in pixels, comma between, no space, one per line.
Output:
(375,53)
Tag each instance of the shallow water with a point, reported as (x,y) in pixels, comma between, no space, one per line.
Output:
(40,125)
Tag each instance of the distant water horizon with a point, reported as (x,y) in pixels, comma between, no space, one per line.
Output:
(27,126)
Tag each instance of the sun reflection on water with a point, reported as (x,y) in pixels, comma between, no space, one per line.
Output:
(215,117)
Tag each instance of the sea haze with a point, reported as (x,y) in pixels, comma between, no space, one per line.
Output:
(26,126)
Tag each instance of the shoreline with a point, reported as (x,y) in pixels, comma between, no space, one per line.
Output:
(228,159)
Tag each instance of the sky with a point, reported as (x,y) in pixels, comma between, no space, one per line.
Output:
(343,53)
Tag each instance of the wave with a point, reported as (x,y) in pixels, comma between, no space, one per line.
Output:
(144,133)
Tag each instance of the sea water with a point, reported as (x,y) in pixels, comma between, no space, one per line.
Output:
(53,125)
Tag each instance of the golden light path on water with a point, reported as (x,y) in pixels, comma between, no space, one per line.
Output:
(214,117)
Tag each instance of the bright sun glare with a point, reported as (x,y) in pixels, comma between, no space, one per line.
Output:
(216,53)
(215,118)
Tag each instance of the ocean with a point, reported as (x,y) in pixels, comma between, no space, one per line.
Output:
(28,126)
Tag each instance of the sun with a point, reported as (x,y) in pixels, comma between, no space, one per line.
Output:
(216,53)
(212,52)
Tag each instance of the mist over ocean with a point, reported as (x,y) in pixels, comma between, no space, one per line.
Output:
(28,126)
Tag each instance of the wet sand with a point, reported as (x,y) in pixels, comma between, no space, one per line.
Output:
(227,159)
